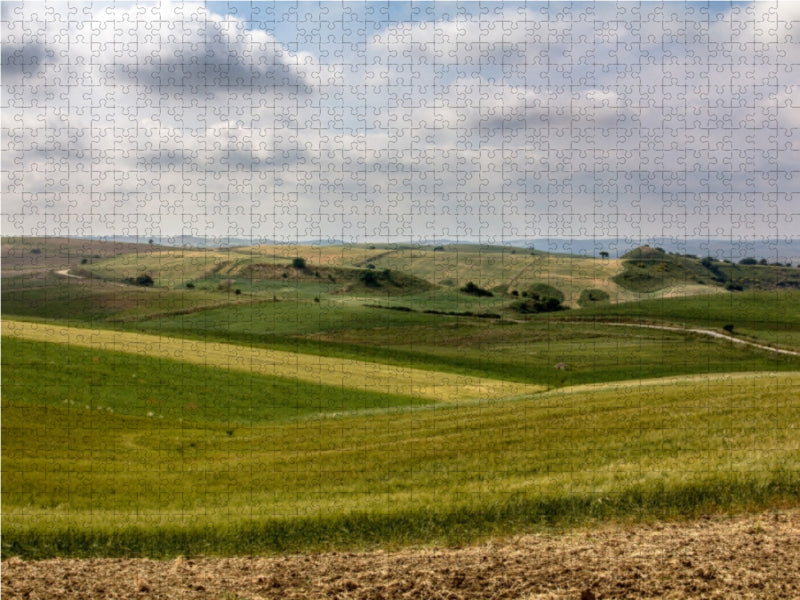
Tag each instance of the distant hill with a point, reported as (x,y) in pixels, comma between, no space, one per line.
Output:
(775,250)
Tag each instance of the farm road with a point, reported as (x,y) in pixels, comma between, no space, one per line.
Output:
(708,332)
(711,333)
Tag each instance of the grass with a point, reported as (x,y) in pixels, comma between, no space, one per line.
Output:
(773,316)
(88,483)
(344,373)
(85,301)
(295,417)
(118,383)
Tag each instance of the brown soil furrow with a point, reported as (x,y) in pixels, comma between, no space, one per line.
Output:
(751,556)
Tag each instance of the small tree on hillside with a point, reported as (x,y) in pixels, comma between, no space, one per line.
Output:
(299,263)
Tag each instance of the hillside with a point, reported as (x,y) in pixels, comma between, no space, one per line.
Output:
(641,273)
(301,398)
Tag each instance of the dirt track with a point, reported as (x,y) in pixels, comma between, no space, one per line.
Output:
(743,557)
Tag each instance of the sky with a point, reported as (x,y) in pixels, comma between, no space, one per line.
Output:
(401,122)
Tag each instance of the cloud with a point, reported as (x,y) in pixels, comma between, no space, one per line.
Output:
(484,121)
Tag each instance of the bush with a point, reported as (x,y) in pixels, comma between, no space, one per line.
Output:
(238,292)
(542,290)
(728,328)
(593,296)
(535,304)
(190,285)
(299,263)
(474,290)
(748,261)
(369,278)
(144,280)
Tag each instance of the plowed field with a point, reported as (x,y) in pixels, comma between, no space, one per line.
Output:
(754,556)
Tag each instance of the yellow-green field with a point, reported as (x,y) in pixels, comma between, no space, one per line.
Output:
(89,481)
(368,376)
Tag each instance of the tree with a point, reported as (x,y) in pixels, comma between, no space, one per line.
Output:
(603,254)
(748,261)
(299,263)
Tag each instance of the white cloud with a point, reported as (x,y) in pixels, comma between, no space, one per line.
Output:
(143,115)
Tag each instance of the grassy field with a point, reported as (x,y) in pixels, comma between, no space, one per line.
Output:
(248,403)
(767,315)
(92,481)
(342,373)
(520,351)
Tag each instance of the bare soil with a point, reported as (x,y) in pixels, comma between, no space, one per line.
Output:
(751,556)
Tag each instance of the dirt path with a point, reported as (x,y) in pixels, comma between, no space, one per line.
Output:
(708,332)
(756,556)
(711,333)
(66,273)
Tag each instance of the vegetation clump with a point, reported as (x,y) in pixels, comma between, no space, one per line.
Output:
(474,290)
(543,290)
(537,304)
(717,274)
(143,280)
(593,296)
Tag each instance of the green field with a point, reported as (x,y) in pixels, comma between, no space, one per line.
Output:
(765,315)
(322,407)
(93,473)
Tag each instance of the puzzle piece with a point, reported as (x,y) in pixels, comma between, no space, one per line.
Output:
(288,277)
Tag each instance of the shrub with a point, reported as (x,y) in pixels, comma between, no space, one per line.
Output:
(593,296)
(543,290)
(190,285)
(748,261)
(299,263)
(728,328)
(535,304)
(238,292)
(474,290)
(144,280)
(369,278)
